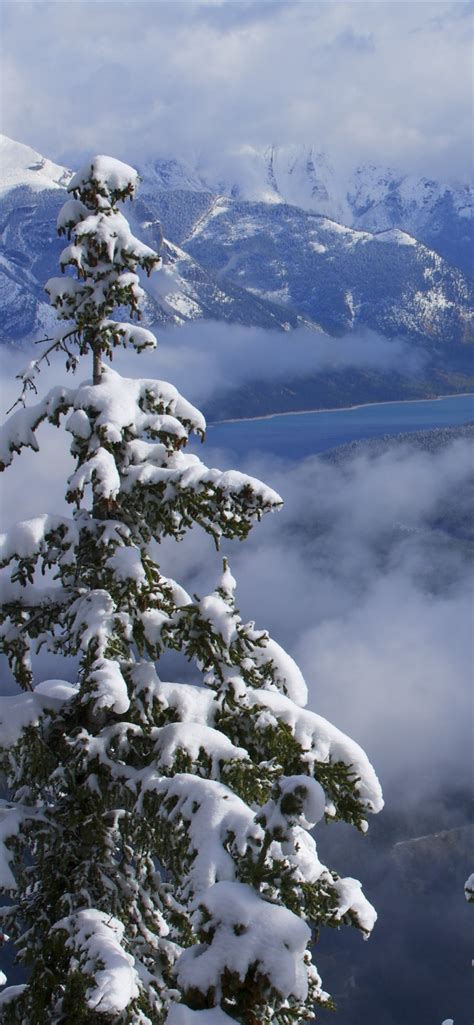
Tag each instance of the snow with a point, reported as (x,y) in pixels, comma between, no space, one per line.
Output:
(184,305)
(18,430)
(127,564)
(11,993)
(93,619)
(395,235)
(181,1015)
(101,468)
(21,710)
(70,213)
(352,899)
(321,742)
(220,826)
(301,791)
(108,172)
(25,539)
(187,702)
(11,819)
(245,933)
(64,291)
(129,334)
(194,739)
(287,676)
(21,165)
(110,687)
(96,938)
(215,611)
(110,232)
(469,888)
(119,401)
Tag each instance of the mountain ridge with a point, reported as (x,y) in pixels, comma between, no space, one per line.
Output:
(267,264)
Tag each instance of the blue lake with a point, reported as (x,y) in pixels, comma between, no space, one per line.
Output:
(297,435)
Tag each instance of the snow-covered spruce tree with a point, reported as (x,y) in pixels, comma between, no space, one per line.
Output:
(156,842)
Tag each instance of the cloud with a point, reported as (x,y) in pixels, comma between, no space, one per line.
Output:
(208,358)
(364,577)
(384,82)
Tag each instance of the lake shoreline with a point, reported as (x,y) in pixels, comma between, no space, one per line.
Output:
(336,409)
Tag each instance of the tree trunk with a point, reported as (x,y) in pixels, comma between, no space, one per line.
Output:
(96,365)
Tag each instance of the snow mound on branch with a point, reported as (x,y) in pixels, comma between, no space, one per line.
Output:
(118,400)
(108,171)
(189,703)
(109,686)
(322,741)
(24,539)
(11,994)
(192,738)
(275,942)
(288,675)
(216,818)
(301,802)
(22,710)
(469,889)
(180,1015)
(97,938)
(11,819)
(352,899)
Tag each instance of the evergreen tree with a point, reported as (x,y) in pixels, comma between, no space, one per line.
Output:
(156,843)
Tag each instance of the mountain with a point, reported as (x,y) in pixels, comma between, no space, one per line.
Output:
(21,165)
(276,239)
(32,191)
(367,198)
(337,277)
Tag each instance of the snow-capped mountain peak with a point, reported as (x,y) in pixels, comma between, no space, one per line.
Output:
(22,165)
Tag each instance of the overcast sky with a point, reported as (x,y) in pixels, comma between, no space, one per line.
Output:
(389,82)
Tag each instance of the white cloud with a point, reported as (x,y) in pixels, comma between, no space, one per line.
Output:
(387,81)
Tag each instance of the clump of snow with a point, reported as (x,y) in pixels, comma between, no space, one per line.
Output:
(107,172)
(96,938)
(118,402)
(351,899)
(11,819)
(19,711)
(109,686)
(181,1015)
(274,944)
(220,825)
(25,539)
(469,889)
(321,742)
(111,232)
(287,675)
(301,802)
(11,993)
(194,738)
(187,702)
